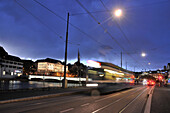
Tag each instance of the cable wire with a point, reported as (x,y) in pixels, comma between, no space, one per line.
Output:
(107,31)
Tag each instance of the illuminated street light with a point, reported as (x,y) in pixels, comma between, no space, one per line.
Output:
(149,63)
(143,54)
(118,12)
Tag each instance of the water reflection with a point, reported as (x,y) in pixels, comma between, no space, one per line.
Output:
(8,85)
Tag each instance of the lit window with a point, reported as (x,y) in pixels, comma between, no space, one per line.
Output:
(3,72)
(12,73)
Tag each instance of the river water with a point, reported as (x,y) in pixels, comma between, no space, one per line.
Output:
(9,85)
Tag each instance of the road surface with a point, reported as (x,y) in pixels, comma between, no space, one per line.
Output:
(128,101)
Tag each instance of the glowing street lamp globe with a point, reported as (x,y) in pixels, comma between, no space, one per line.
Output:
(143,54)
(118,12)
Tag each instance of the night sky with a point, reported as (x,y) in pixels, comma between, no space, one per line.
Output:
(33,29)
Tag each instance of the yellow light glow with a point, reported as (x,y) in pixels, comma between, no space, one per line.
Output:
(118,12)
(110,71)
(113,72)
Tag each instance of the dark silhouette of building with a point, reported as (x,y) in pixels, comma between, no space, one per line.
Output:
(10,66)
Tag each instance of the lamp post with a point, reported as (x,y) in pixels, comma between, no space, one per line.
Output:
(121,59)
(64,82)
(118,13)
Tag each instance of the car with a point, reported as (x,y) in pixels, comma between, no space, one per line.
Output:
(150,82)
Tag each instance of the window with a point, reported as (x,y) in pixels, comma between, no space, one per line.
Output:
(19,67)
(4,72)
(19,63)
(12,73)
(11,62)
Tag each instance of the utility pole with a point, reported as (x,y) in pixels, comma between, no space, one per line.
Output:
(64,82)
(121,59)
(126,65)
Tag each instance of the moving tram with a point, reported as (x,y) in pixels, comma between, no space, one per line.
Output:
(103,72)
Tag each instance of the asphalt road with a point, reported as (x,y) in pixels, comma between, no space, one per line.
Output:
(128,101)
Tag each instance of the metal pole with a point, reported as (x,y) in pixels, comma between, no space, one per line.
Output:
(126,65)
(64,85)
(121,59)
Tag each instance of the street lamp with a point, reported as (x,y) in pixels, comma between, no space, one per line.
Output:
(143,54)
(118,12)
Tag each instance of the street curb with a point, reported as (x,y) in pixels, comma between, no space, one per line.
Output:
(149,100)
(41,97)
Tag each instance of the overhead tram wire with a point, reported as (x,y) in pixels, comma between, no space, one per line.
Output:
(37,18)
(69,22)
(44,23)
(127,8)
(107,31)
(89,36)
(124,35)
(119,28)
(90,12)
(117,25)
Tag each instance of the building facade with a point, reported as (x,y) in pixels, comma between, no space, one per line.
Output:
(10,66)
(50,67)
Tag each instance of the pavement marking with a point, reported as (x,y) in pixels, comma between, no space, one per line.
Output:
(39,103)
(149,101)
(128,90)
(66,110)
(114,95)
(114,102)
(132,101)
(106,105)
(106,98)
(85,104)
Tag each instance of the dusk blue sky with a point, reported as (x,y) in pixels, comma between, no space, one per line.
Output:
(143,27)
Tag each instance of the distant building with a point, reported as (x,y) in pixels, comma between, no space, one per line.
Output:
(168,66)
(10,66)
(50,67)
(168,70)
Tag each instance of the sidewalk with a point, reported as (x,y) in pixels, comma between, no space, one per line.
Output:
(161,100)
(21,95)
